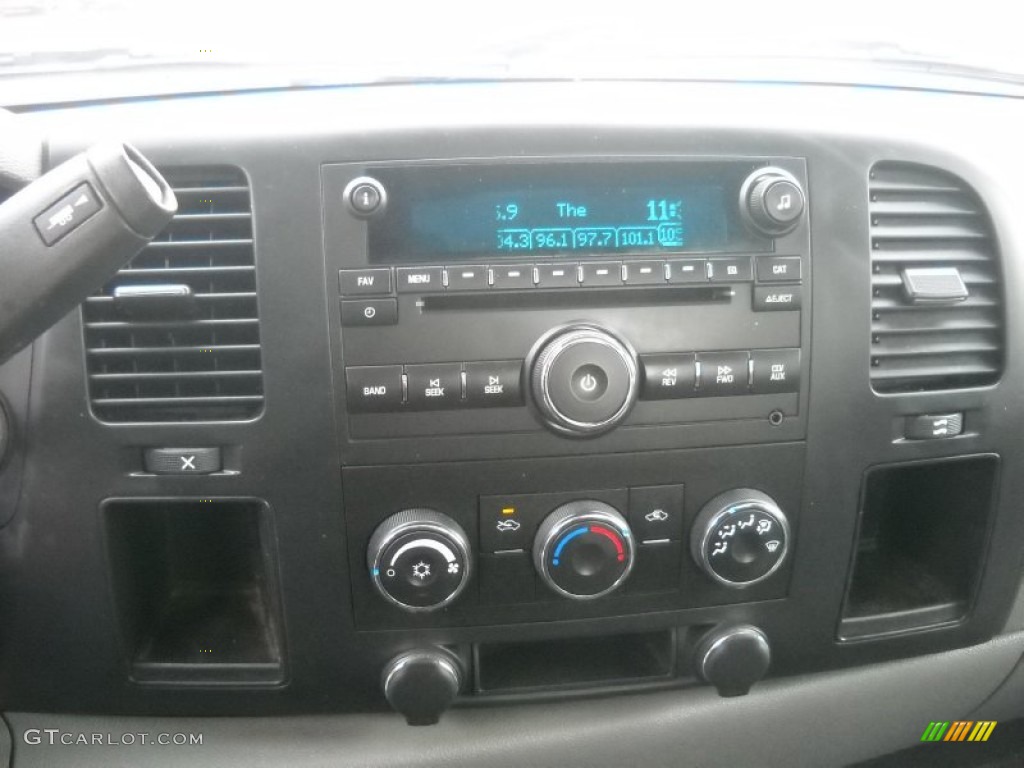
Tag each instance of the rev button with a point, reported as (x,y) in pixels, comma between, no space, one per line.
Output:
(434,386)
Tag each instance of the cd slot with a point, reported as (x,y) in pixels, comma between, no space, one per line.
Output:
(575,298)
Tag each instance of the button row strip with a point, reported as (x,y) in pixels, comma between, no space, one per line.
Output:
(718,374)
(479,277)
(434,386)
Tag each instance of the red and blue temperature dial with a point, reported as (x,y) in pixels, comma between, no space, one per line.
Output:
(584,549)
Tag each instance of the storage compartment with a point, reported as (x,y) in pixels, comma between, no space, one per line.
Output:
(921,545)
(195,590)
(574,662)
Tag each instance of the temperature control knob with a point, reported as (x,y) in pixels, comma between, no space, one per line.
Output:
(584,380)
(584,550)
(772,200)
(740,538)
(419,559)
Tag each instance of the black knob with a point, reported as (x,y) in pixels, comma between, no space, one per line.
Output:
(419,559)
(740,538)
(734,659)
(583,380)
(365,197)
(772,200)
(583,550)
(422,684)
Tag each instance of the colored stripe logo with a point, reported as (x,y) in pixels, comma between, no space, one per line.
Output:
(959,730)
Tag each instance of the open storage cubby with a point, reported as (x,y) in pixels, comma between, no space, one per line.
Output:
(195,590)
(921,545)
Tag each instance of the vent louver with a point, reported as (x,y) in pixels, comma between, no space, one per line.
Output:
(922,217)
(192,360)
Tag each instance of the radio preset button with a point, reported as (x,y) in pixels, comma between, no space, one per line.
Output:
(723,373)
(667,377)
(467,278)
(512,276)
(775,370)
(735,270)
(644,272)
(494,383)
(369,312)
(434,386)
(374,388)
(602,273)
(688,271)
(420,279)
(769,299)
(365,282)
(778,269)
(557,275)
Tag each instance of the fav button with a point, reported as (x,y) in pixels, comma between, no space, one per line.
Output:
(494,383)
(434,386)
(365,282)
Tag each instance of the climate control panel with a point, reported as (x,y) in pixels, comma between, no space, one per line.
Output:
(591,547)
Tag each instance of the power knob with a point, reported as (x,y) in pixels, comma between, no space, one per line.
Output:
(419,560)
(772,200)
(583,380)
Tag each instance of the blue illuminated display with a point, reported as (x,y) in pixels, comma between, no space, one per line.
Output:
(560,210)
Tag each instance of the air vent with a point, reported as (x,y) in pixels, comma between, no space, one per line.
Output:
(931,223)
(175,335)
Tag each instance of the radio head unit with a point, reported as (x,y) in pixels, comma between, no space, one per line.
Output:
(573,297)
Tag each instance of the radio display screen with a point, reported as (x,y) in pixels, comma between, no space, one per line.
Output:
(559,210)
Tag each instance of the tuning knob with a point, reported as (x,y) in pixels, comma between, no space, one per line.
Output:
(740,538)
(422,684)
(772,200)
(419,559)
(734,659)
(583,550)
(583,380)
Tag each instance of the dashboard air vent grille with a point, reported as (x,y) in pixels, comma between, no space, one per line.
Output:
(929,230)
(175,335)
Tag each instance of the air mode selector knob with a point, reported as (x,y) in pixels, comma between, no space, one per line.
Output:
(584,550)
(740,538)
(583,380)
(419,559)
(772,200)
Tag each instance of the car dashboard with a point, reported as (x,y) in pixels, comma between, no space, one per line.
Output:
(577,421)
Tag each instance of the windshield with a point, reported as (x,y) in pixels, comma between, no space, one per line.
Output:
(302,42)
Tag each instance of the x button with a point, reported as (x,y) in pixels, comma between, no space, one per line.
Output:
(182,461)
